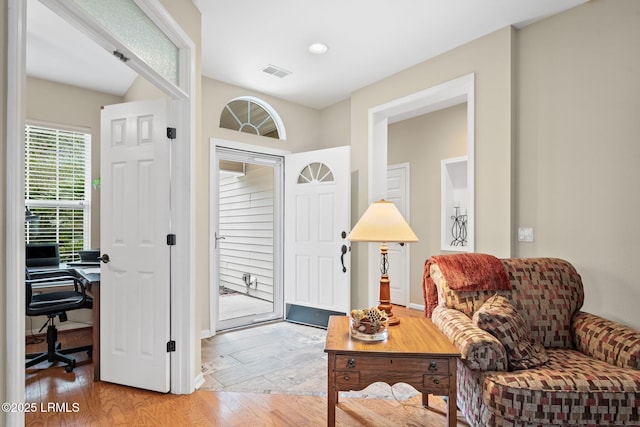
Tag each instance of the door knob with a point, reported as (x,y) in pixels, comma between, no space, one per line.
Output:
(105,258)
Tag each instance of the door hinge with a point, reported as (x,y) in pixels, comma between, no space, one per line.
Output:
(171,346)
(171,133)
(171,239)
(120,56)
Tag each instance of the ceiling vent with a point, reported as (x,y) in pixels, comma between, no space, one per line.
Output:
(276,71)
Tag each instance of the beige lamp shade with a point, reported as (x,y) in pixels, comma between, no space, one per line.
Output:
(382,222)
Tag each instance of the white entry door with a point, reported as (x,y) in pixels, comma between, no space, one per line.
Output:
(135,214)
(398,193)
(317,221)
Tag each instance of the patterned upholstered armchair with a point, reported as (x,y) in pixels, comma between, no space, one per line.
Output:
(565,368)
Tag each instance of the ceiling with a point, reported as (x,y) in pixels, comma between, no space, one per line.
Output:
(368,40)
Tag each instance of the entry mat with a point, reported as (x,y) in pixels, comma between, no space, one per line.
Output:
(309,315)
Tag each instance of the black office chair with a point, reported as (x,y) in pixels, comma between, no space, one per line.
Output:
(52,304)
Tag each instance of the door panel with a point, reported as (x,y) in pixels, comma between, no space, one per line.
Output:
(317,212)
(135,219)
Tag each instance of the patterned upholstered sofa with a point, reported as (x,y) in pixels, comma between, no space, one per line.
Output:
(590,374)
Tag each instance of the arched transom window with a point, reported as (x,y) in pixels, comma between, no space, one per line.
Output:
(252,115)
(314,173)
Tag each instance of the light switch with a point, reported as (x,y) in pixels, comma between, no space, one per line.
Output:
(525,234)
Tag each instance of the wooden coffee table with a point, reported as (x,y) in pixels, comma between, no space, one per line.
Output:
(415,352)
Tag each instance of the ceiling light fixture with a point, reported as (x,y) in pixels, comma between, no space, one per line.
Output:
(318,48)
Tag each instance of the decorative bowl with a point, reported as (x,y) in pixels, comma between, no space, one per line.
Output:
(369,324)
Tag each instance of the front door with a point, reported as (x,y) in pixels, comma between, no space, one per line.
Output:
(317,221)
(135,219)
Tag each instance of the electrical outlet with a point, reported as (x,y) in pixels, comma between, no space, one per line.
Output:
(525,234)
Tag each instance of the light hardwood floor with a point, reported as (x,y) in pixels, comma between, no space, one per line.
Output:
(83,402)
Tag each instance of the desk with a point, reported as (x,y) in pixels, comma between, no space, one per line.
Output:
(415,352)
(91,280)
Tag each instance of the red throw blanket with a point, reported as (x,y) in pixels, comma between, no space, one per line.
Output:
(463,272)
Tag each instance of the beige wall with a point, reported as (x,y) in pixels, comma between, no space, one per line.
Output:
(578,150)
(490,58)
(335,125)
(3,130)
(141,89)
(60,104)
(423,142)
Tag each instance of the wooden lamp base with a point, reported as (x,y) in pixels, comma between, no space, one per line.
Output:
(385,300)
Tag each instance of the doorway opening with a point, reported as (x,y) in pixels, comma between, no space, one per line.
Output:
(454,92)
(183,96)
(246,239)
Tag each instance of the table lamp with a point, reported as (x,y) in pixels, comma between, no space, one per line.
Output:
(382,222)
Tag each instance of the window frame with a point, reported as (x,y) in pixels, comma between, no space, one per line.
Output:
(271,112)
(84,204)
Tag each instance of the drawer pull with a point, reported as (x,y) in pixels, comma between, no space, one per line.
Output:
(436,381)
(346,378)
(351,363)
(433,366)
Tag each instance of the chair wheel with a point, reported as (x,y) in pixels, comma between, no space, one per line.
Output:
(69,368)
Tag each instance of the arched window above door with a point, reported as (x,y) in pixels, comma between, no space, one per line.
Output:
(314,173)
(252,115)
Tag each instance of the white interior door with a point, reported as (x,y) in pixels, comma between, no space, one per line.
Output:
(135,219)
(317,221)
(398,193)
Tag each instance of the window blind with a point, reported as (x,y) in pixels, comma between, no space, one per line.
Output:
(57,188)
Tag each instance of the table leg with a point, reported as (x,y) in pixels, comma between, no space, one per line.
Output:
(452,407)
(332,394)
(94,289)
(425,399)
(452,419)
(331,414)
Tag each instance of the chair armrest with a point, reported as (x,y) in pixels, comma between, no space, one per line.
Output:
(55,281)
(606,340)
(50,274)
(479,350)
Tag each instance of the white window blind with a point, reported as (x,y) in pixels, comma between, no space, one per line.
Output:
(58,189)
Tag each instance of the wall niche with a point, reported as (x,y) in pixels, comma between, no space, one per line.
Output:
(456,206)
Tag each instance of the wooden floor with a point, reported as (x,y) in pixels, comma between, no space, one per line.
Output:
(74,399)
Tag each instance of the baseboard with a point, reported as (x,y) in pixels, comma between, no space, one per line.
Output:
(206,333)
(416,307)
(198,381)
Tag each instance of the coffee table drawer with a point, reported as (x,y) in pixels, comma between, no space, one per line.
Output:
(431,365)
(436,383)
(347,379)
